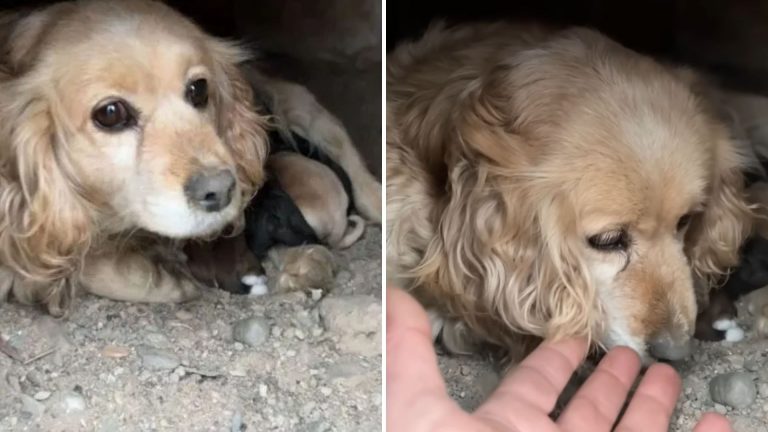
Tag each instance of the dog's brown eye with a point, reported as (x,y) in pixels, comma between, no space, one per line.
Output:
(113,116)
(610,241)
(197,93)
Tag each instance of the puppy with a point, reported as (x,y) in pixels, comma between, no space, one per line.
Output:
(319,196)
(118,118)
(548,183)
(303,202)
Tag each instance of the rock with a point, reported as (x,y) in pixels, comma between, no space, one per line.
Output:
(31,406)
(67,402)
(184,315)
(237,422)
(735,389)
(737,361)
(721,409)
(762,390)
(157,358)
(115,351)
(42,395)
(356,320)
(251,331)
(753,364)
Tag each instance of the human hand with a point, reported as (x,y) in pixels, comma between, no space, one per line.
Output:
(417,400)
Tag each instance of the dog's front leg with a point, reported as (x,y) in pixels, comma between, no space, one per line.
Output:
(134,277)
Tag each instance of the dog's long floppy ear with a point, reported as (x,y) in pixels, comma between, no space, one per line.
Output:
(505,243)
(22,32)
(240,125)
(716,236)
(45,220)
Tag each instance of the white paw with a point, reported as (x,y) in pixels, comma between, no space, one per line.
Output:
(258,284)
(724,324)
(734,334)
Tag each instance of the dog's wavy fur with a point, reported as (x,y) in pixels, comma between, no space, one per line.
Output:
(484,220)
(54,213)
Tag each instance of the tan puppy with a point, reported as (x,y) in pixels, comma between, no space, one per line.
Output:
(553,183)
(320,196)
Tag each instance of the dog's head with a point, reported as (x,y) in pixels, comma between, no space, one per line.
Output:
(120,116)
(586,195)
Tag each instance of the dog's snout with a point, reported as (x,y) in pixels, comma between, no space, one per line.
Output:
(666,348)
(211,190)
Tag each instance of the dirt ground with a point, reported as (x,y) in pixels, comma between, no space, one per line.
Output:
(113,366)
(471,379)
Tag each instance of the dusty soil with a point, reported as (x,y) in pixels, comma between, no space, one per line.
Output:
(471,379)
(113,366)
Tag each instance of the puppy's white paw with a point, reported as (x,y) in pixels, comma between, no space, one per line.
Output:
(734,334)
(724,324)
(257,284)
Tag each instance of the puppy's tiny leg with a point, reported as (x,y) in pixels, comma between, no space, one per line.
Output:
(257,284)
(458,339)
(435,323)
(133,277)
(355,229)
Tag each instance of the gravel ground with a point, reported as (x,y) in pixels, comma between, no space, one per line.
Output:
(471,379)
(315,363)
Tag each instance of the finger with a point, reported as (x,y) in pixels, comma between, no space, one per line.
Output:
(414,383)
(534,386)
(598,402)
(652,404)
(712,422)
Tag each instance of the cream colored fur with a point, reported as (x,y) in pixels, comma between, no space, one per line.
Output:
(508,147)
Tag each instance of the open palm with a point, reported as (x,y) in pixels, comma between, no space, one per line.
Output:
(417,400)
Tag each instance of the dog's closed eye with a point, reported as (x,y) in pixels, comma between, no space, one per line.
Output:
(610,241)
(684,221)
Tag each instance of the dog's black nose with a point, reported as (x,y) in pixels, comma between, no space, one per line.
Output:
(211,190)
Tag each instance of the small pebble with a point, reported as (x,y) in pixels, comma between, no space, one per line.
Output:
(251,331)
(753,364)
(735,389)
(115,351)
(184,315)
(68,402)
(237,422)
(316,294)
(156,358)
(31,406)
(263,390)
(42,395)
(737,361)
(721,409)
(325,391)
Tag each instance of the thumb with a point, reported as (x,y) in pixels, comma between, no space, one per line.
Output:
(414,383)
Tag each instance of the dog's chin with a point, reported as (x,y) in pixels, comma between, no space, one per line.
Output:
(180,221)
